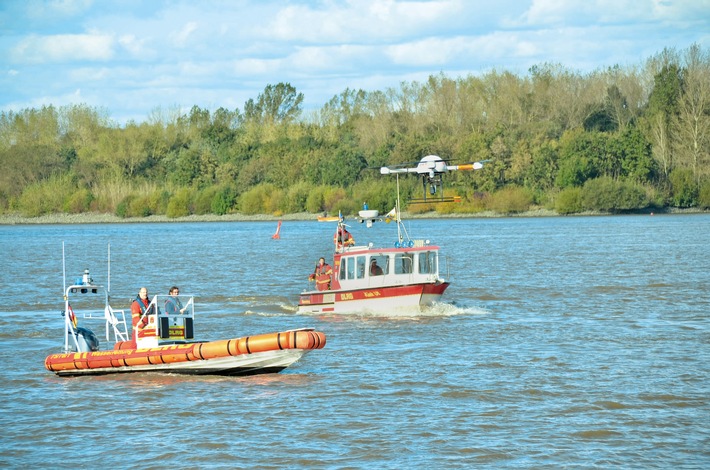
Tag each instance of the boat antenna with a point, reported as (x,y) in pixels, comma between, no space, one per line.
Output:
(398,218)
(64,271)
(108,289)
(397,214)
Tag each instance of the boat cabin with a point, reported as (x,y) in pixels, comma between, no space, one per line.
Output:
(363,266)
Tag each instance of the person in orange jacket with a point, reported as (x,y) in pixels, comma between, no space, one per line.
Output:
(141,322)
(322,275)
(343,238)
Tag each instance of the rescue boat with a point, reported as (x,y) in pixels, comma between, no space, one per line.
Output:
(367,279)
(170,346)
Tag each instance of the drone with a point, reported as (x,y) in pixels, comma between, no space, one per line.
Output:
(432,169)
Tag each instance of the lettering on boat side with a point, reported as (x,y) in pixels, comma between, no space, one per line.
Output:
(374,293)
(348,296)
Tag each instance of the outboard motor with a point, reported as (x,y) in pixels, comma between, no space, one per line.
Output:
(87,340)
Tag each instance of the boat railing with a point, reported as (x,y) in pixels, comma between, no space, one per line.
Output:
(116,324)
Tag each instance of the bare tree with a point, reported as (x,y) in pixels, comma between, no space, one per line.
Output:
(692,123)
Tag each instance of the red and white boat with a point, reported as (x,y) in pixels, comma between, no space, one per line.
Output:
(368,279)
(409,279)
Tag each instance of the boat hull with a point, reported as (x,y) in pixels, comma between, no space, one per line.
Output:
(249,355)
(389,299)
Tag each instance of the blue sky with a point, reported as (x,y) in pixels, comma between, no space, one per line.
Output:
(132,57)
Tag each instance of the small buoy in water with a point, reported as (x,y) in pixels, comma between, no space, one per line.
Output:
(276,236)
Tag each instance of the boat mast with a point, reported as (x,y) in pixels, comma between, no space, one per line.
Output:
(64,272)
(108,290)
(401,229)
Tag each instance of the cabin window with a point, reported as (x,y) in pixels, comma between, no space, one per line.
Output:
(403,263)
(361,267)
(427,262)
(351,268)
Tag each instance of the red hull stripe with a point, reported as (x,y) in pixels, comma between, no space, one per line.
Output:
(379,293)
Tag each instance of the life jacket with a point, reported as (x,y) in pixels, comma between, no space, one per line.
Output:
(145,327)
(323,276)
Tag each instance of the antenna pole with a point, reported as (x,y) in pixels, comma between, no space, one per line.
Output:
(109,268)
(399,220)
(64,272)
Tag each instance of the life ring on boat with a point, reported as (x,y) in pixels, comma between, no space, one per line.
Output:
(72,316)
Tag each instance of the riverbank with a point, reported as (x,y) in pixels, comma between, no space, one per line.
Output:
(97,218)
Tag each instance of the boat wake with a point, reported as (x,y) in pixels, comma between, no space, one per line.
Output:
(438,309)
(442,309)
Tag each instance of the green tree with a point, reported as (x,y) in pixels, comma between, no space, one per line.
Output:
(579,158)
(662,108)
(684,189)
(278,104)
(635,155)
(609,195)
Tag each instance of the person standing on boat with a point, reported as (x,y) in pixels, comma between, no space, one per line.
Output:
(343,238)
(143,322)
(322,275)
(173,306)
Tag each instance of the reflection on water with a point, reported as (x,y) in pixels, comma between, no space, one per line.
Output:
(561,342)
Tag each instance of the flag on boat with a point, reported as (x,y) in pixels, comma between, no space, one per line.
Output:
(392,214)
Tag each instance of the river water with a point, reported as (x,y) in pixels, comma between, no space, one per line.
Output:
(562,342)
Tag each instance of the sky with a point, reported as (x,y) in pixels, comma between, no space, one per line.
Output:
(136,58)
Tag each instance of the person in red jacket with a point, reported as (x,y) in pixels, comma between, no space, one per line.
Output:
(322,275)
(143,324)
(342,238)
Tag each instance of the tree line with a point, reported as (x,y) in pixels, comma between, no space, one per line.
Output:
(616,139)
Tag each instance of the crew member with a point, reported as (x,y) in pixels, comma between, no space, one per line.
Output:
(375,270)
(342,238)
(173,306)
(143,324)
(322,275)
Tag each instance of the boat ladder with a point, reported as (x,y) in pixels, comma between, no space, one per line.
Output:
(119,327)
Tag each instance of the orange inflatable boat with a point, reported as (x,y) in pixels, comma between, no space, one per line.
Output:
(164,341)
(249,355)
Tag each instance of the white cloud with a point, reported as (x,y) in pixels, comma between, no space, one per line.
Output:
(331,59)
(183,36)
(134,46)
(64,48)
(91,74)
(56,9)
(261,67)
(358,21)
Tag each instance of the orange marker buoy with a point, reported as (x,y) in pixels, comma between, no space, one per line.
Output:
(276,236)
